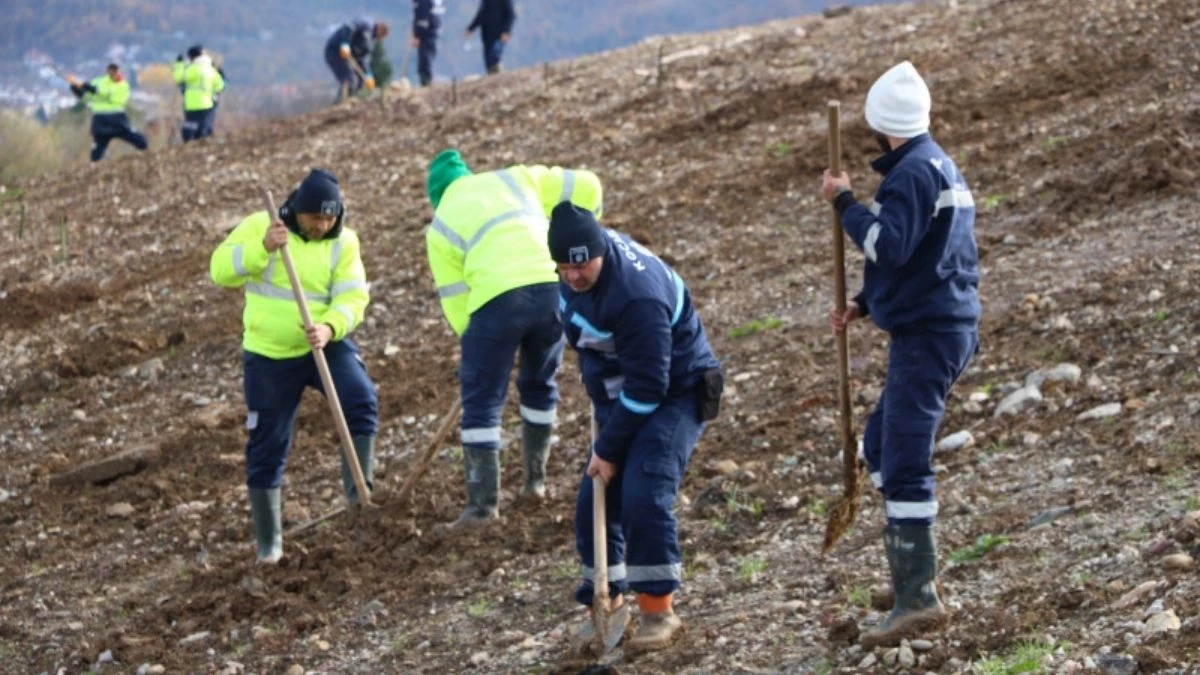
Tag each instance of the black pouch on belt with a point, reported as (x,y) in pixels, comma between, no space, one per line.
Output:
(708,394)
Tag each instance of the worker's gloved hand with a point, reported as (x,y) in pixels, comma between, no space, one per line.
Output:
(179,58)
(344,50)
(369,83)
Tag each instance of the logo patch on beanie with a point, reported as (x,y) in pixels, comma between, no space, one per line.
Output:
(578,255)
(329,207)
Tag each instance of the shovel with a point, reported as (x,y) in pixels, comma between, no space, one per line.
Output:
(609,625)
(843,513)
(360,482)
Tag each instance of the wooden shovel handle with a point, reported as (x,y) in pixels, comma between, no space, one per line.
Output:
(335,405)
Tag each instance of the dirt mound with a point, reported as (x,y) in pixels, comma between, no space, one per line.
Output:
(1066,528)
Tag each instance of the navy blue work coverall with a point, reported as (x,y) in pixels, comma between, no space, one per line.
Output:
(642,352)
(273,388)
(494,18)
(920,284)
(359,35)
(427,22)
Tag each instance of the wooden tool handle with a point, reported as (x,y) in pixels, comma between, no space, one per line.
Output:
(335,405)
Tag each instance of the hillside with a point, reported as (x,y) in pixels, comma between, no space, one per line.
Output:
(274,41)
(1069,530)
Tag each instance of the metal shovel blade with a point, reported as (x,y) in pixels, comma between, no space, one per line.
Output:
(618,620)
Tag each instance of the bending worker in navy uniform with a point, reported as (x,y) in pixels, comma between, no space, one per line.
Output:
(653,381)
(427,22)
(920,284)
(494,19)
(107,96)
(355,40)
(277,357)
(201,83)
(499,292)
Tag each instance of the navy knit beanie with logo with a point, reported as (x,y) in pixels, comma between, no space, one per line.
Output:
(319,193)
(575,235)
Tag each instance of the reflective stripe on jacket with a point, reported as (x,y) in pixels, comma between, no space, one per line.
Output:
(488,234)
(331,274)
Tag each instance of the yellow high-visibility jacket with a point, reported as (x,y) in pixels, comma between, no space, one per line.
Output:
(488,235)
(109,97)
(330,271)
(200,81)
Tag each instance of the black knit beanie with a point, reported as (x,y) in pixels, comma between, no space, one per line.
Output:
(319,193)
(575,235)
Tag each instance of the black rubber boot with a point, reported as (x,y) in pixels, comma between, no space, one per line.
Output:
(364,449)
(912,557)
(535,448)
(267,513)
(483,488)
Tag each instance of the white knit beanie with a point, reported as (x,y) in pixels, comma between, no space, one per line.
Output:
(898,103)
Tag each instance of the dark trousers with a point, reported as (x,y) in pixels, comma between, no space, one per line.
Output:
(524,320)
(426,51)
(899,437)
(343,72)
(273,388)
(493,49)
(643,539)
(197,124)
(107,126)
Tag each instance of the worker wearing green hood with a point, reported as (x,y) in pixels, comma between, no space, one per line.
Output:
(499,291)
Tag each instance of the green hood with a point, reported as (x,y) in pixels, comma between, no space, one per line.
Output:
(446,168)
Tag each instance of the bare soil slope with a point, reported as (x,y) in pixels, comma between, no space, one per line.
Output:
(1077,125)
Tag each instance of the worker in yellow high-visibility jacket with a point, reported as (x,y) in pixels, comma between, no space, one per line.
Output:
(499,291)
(201,83)
(278,360)
(107,96)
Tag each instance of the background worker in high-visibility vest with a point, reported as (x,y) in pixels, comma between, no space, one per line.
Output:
(107,96)
(499,291)
(201,83)
(278,360)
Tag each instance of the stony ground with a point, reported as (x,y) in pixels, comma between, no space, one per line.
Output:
(1070,454)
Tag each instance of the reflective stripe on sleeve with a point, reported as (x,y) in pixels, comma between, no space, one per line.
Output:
(568,187)
(451,290)
(869,242)
(239,260)
(636,406)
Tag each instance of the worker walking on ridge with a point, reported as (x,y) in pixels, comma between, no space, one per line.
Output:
(201,83)
(653,382)
(427,22)
(278,361)
(350,46)
(494,19)
(107,97)
(498,289)
(920,284)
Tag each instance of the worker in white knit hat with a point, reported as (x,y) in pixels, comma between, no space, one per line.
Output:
(920,285)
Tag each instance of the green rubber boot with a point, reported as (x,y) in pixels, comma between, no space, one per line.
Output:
(912,557)
(267,513)
(535,448)
(483,488)
(364,449)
